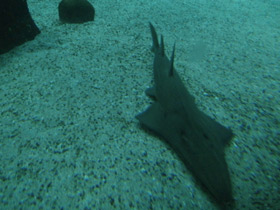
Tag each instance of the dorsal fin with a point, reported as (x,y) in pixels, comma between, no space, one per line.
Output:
(161,45)
(155,38)
(171,71)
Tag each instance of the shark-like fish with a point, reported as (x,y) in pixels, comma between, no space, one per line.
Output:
(196,138)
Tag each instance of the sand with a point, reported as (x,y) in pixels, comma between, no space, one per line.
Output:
(68,99)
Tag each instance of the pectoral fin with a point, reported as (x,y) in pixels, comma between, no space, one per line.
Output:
(152,118)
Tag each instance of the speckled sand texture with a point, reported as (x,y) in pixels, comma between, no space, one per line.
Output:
(68,134)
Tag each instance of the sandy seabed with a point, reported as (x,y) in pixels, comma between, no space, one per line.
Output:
(68,99)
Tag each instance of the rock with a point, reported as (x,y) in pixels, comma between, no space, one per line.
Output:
(16,24)
(75,11)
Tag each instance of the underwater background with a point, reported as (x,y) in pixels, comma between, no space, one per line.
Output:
(68,99)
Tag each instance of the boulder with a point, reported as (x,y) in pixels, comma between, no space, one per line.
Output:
(75,11)
(16,24)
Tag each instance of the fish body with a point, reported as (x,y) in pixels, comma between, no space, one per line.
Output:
(197,139)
